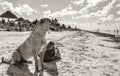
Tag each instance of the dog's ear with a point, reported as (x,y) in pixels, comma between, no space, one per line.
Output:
(42,20)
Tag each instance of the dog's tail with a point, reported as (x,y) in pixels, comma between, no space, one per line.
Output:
(3,61)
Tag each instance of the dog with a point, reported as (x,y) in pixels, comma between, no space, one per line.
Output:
(33,45)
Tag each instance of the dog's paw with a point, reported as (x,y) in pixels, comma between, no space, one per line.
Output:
(12,61)
(38,68)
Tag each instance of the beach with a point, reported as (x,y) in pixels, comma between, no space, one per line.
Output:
(83,53)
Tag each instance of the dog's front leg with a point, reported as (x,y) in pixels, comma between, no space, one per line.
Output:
(38,64)
(41,66)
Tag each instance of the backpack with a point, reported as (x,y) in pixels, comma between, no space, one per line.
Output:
(52,53)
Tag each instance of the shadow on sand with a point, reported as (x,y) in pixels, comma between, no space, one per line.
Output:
(22,70)
(19,70)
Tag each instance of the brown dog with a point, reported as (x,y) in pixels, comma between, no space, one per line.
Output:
(33,45)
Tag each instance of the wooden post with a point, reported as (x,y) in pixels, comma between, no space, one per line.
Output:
(2,18)
(8,19)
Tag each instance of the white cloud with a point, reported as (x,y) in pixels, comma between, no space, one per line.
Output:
(46,13)
(94,2)
(118,12)
(27,9)
(65,12)
(79,2)
(117,19)
(100,13)
(44,5)
(20,9)
(108,8)
(105,19)
(85,16)
(36,11)
(68,11)
(90,3)
(24,9)
(118,5)
(7,5)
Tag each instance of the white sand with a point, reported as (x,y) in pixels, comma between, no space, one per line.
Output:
(83,54)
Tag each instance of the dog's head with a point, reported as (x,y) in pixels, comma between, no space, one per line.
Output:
(42,25)
(45,23)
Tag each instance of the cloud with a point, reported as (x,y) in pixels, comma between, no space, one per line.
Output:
(68,11)
(78,2)
(118,12)
(94,2)
(100,13)
(46,13)
(118,5)
(108,8)
(20,9)
(88,15)
(85,16)
(44,5)
(105,11)
(105,19)
(36,11)
(117,19)
(90,3)
(6,5)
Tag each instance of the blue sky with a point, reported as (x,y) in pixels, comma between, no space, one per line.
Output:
(74,12)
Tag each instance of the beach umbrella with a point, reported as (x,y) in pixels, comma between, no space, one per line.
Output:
(8,15)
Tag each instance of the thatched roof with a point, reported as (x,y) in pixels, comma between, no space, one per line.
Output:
(8,14)
(20,19)
(27,21)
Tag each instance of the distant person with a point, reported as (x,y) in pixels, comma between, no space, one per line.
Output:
(114,31)
(117,31)
(98,30)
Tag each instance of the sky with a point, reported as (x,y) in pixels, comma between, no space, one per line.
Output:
(70,12)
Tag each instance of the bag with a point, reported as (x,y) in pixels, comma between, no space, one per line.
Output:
(52,53)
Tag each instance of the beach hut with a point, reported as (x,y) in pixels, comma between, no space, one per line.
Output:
(8,15)
(27,23)
(25,26)
(20,19)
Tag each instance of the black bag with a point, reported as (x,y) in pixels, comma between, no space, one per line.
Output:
(52,53)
